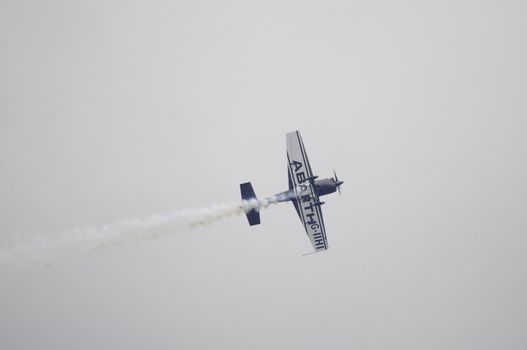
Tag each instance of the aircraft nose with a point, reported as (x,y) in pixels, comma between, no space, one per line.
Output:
(340,183)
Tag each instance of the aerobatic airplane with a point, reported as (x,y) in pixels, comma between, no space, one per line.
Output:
(304,191)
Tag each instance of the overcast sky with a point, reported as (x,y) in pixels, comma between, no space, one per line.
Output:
(116,109)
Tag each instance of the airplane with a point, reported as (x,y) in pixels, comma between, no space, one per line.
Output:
(304,192)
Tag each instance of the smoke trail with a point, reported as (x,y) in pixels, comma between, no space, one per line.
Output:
(40,251)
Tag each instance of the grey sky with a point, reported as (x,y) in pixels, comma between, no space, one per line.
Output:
(113,109)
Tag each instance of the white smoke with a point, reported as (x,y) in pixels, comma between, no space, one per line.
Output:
(41,251)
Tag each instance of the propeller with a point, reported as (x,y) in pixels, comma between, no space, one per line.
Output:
(337,181)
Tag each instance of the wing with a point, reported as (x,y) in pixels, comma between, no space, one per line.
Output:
(297,157)
(311,216)
(306,202)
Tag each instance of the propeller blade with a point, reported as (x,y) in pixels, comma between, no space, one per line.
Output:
(337,181)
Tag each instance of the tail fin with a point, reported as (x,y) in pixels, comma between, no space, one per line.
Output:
(248,193)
